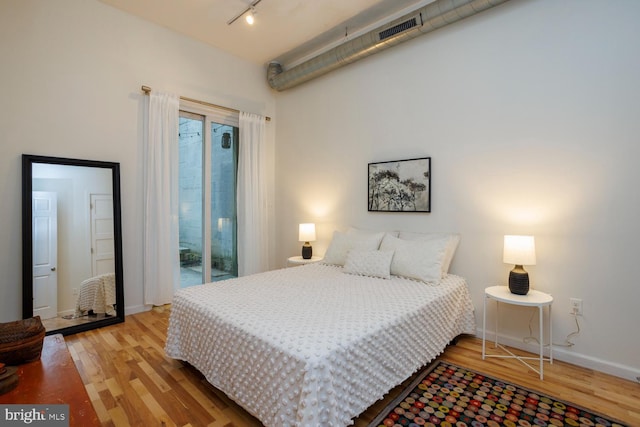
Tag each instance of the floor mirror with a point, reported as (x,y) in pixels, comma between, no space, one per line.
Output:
(71,243)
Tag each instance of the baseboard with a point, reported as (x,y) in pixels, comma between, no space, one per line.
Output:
(589,362)
(133,309)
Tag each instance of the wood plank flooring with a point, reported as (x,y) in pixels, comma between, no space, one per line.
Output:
(132,383)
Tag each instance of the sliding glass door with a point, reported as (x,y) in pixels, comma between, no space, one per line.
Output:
(208,152)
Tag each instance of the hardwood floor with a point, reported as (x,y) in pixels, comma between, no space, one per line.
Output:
(131,382)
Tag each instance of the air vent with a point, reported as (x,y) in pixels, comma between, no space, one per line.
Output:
(403,26)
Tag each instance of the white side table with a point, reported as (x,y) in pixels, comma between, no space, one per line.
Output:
(298,260)
(532,299)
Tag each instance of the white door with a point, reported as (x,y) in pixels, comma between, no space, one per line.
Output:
(102,245)
(45,254)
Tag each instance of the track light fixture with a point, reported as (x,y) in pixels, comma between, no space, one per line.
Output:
(250,16)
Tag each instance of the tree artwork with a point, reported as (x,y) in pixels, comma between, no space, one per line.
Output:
(400,186)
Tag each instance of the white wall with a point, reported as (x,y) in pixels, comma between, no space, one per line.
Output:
(530,114)
(70,82)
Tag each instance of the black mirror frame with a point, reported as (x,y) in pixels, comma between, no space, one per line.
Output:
(27,239)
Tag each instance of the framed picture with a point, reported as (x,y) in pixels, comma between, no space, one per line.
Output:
(400,186)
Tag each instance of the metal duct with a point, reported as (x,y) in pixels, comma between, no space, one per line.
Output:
(431,17)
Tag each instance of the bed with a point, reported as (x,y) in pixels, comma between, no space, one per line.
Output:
(98,295)
(316,345)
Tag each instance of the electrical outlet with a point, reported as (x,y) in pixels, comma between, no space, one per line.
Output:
(75,292)
(576,306)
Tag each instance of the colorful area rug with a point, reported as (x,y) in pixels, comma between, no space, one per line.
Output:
(446,395)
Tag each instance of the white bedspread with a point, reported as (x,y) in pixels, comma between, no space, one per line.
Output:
(97,294)
(311,345)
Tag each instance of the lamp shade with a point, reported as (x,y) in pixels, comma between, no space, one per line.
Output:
(307,232)
(519,250)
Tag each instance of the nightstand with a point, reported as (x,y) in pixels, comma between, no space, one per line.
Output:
(501,294)
(298,260)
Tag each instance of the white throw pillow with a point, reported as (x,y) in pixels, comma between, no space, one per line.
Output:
(452,245)
(416,259)
(359,231)
(369,263)
(342,243)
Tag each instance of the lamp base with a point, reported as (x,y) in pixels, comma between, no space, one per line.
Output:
(307,251)
(519,281)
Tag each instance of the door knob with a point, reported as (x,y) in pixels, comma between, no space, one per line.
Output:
(53,269)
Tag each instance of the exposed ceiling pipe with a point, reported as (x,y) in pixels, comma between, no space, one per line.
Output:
(424,20)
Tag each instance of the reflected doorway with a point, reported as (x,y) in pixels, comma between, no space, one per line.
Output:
(45,253)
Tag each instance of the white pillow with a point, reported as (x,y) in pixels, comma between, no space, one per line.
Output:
(342,243)
(452,245)
(369,263)
(416,259)
(353,230)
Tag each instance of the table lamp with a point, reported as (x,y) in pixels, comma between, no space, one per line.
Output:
(519,250)
(307,233)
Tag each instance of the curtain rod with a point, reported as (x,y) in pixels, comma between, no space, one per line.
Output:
(147,90)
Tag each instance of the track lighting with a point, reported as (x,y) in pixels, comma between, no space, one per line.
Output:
(250,18)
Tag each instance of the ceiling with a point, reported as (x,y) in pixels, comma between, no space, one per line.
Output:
(287,31)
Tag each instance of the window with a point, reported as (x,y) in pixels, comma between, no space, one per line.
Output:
(208,161)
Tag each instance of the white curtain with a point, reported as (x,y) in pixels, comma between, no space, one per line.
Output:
(161,258)
(253,248)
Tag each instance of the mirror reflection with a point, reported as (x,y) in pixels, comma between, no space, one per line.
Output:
(75,244)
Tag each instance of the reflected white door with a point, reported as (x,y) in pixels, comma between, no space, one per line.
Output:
(45,254)
(102,242)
